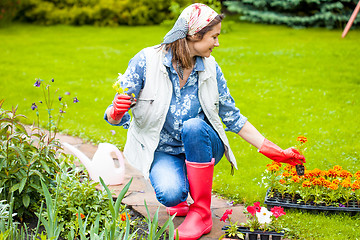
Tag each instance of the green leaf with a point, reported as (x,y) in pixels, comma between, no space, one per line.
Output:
(15,187)
(26,200)
(45,166)
(36,172)
(19,152)
(22,184)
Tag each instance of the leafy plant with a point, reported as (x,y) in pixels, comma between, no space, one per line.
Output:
(52,225)
(232,230)
(333,186)
(75,196)
(25,160)
(153,232)
(9,229)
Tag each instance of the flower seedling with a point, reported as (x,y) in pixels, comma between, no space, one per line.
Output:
(118,88)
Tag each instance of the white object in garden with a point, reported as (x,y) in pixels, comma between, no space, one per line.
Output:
(102,165)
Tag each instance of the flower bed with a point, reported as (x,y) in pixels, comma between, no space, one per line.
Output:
(333,189)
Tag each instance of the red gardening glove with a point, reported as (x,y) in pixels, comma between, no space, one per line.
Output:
(274,152)
(121,105)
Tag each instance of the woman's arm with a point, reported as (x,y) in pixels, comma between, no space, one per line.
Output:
(250,134)
(269,149)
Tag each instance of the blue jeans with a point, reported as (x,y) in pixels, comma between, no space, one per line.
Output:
(168,172)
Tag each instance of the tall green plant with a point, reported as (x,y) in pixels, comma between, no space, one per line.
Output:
(153,226)
(51,224)
(23,164)
(26,159)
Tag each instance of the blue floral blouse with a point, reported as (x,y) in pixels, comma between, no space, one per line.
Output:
(184,103)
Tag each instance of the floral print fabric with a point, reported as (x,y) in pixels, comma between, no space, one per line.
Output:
(184,103)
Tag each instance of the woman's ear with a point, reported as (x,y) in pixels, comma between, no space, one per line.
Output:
(193,38)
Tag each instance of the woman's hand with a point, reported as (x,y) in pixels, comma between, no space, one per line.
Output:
(274,152)
(121,105)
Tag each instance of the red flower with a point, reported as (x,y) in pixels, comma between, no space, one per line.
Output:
(277,211)
(253,209)
(226,215)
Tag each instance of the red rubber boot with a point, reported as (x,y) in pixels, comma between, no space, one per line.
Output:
(181,209)
(198,221)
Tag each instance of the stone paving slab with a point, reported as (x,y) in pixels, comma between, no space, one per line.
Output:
(141,190)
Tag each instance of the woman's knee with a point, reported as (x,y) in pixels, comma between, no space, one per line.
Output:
(193,127)
(170,197)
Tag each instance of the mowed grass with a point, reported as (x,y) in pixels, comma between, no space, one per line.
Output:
(288,82)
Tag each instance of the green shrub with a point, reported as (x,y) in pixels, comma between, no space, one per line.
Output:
(97,12)
(295,13)
(22,164)
(8,10)
(105,12)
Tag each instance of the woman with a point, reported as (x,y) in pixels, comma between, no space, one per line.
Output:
(176,135)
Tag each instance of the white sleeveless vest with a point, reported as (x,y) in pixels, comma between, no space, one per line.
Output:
(152,106)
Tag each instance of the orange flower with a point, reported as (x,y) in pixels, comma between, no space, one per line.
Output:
(81,215)
(333,186)
(295,179)
(346,183)
(315,172)
(307,174)
(336,181)
(332,173)
(357,174)
(316,182)
(337,168)
(272,168)
(282,181)
(326,183)
(306,184)
(288,167)
(286,174)
(301,139)
(355,185)
(123,216)
(345,174)
(323,173)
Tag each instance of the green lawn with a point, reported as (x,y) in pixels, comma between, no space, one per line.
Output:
(288,82)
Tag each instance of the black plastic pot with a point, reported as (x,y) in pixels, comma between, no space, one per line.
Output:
(253,235)
(289,203)
(264,237)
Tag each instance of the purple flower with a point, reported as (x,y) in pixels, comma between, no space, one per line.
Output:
(60,97)
(112,132)
(62,111)
(67,93)
(52,80)
(37,83)
(33,106)
(75,100)
(341,205)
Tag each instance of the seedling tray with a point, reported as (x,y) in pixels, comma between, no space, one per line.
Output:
(287,202)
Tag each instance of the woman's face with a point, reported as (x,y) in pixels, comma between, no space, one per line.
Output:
(204,47)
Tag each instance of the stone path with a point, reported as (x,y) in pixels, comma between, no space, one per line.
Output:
(141,189)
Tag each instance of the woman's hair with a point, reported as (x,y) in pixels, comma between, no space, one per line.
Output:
(180,49)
